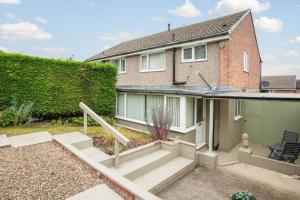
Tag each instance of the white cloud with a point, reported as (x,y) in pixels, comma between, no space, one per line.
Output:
(296,40)
(290,53)
(121,36)
(4,49)
(185,10)
(10,16)
(229,6)
(10,2)
(269,24)
(41,20)
(271,58)
(106,47)
(22,30)
(157,18)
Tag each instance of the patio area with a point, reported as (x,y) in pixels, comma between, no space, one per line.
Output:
(203,184)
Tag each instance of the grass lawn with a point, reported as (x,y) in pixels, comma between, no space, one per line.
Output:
(58,129)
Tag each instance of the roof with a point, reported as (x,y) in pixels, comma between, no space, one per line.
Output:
(278,82)
(203,30)
(255,96)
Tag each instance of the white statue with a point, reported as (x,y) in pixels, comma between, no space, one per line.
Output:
(245,140)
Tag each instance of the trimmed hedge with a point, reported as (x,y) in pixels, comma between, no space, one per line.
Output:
(57,86)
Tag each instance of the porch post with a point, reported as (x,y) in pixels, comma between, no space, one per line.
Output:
(211,125)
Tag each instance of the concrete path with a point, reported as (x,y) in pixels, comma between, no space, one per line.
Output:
(276,180)
(30,139)
(99,192)
(4,141)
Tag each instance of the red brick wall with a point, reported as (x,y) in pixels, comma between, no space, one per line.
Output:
(231,58)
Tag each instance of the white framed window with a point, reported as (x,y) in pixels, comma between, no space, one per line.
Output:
(121,104)
(121,65)
(238,109)
(173,106)
(246,62)
(152,62)
(194,53)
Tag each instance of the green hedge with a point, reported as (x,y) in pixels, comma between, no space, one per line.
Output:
(57,86)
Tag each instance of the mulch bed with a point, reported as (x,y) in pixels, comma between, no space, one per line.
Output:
(106,144)
(43,171)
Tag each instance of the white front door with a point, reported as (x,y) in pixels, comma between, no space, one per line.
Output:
(200,116)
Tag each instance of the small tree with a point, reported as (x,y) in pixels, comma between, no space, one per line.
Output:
(161,122)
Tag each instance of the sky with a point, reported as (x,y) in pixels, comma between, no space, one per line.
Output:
(82,28)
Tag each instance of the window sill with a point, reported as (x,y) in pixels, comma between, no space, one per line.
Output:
(190,61)
(237,118)
(121,72)
(156,70)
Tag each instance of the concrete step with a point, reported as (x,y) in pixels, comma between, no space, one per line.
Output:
(162,176)
(77,139)
(30,139)
(99,192)
(95,154)
(141,165)
(4,141)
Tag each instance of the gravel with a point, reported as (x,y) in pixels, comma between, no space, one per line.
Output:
(43,171)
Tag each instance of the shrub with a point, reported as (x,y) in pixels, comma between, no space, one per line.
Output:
(23,115)
(161,120)
(57,86)
(242,196)
(8,116)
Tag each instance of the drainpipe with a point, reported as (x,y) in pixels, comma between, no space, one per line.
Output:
(174,69)
(211,125)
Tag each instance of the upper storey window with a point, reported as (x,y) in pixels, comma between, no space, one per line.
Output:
(152,62)
(121,65)
(246,61)
(194,53)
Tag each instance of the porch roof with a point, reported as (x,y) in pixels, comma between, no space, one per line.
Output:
(255,95)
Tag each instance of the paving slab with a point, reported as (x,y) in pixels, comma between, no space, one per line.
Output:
(30,139)
(99,192)
(4,141)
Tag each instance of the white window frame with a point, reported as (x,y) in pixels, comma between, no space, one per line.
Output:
(182,127)
(152,70)
(246,61)
(193,53)
(237,109)
(120,63)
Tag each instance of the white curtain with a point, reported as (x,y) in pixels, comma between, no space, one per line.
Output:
(156,61)
(120,104)
(135,108)
(144,63)
(190,112)
(173,106)
(152,102)
(200,52)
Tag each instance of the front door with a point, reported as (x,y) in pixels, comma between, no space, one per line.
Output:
(200,114)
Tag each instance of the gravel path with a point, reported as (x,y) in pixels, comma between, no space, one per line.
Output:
(206,184)
(43,171)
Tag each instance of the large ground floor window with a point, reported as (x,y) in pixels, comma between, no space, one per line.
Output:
(138,108)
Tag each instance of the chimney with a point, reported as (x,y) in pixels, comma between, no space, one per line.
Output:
(169,27)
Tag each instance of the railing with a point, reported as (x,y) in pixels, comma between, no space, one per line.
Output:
(119,138)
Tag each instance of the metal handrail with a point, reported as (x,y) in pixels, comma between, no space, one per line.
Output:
(119,137)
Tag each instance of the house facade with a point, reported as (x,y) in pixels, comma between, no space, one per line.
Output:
(177,67)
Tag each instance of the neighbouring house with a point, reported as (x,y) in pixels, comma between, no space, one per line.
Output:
(178,67)
(279,84)
(298,86)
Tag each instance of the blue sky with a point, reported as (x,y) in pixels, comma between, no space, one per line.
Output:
(82,28)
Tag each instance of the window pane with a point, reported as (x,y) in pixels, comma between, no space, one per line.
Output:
(116,62)
(136,106)
(200,52)
(123,67)
(199,110)
(190,111)
(144,62)
(173,106)
(120,104)
(152,102)
(187,54)
(156,61)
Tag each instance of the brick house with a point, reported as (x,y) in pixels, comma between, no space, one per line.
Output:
(175,68)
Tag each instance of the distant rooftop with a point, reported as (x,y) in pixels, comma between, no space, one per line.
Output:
(206,29)
(279,82)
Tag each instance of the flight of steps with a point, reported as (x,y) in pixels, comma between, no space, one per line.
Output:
(153,166)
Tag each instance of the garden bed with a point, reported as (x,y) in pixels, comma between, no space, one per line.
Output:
(43,171)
